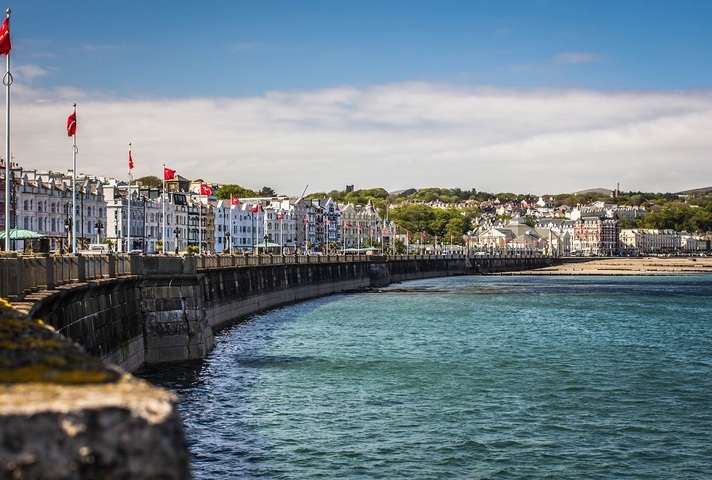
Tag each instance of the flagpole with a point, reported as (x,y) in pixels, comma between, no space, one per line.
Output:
(163,197)
(74,187)
(128,197)
(200,220)
(7,81)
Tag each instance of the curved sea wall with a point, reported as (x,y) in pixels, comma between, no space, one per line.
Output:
(496,264)
(103,316)
(165,310)
(231,294)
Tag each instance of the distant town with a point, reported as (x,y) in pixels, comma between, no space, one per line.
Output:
(176,215)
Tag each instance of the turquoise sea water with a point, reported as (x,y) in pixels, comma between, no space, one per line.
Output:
(462,378)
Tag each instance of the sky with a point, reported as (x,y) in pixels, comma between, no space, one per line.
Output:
(521,96)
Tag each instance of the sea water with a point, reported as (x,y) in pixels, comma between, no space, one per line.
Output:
(461,378)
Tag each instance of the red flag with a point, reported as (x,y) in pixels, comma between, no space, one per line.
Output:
(280,216)
(306,218)
(234,201)
(130,160)
(168,174)
(205,190)
(360,228)
(5,46)
(72,124)
(346,225)
(255,208)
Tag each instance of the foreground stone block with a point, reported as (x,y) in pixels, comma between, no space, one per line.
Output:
(66,415)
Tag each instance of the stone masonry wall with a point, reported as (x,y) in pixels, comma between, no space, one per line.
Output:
(103,316)
(167,311)
(233,293)
(176,327)
(403,270)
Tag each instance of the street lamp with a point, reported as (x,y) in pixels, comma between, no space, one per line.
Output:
(98,225)
(67,228)
(176,231)
(229,245)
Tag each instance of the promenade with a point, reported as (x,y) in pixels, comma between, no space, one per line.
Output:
(626,266)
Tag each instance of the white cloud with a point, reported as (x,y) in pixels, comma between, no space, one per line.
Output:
(393,136)
(29,72)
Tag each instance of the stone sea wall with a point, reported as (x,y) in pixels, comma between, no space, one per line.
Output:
(167,308)
(234,293)
(103,316)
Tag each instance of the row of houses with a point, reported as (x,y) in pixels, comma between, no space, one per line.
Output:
(586,236)
(134,217)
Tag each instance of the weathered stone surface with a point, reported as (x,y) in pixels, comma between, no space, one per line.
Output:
(124,429)
(66,415)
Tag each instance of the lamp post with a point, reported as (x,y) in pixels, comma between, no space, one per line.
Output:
(67,228)
(229,245)
(281,232)
(176,231)
(98,225)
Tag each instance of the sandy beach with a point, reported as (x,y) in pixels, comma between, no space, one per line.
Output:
(628,266)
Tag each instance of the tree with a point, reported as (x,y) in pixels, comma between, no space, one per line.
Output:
(399,246)
(236,190)
(361,197)
(150,181)
(267,192)
(414,217)
(678,216)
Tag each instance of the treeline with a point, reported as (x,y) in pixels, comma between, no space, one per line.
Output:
(692,216)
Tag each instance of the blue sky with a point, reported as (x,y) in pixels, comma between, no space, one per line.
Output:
(525,96)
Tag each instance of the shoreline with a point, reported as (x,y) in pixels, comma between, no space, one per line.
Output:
(626,266)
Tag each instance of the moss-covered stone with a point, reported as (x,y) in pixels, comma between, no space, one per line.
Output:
(30,351)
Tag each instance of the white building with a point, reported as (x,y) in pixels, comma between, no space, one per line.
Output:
(43,204)
(281,223)
(361,226)
(646,241)
(247,225)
